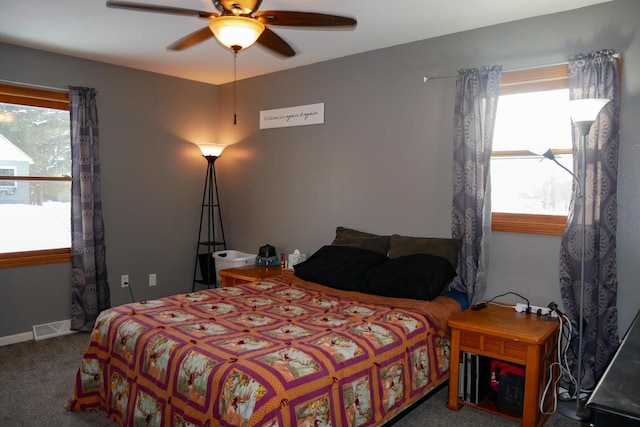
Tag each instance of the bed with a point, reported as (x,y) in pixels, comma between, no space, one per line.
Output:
(282,351)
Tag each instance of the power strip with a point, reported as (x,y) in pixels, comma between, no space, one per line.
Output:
(542,311)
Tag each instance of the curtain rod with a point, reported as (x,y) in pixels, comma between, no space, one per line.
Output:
(34,86)
(427,78)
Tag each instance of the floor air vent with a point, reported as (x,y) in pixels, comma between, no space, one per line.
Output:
(53,329)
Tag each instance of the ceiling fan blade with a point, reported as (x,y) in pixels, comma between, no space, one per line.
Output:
(274,42)
(191,39)
(303,19)
(240,7)
(159,9)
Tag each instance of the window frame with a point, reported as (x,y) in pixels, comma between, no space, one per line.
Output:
(532,80)
(46,98)
(5,179)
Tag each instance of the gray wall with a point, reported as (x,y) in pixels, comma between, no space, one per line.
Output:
(381,162)
(152,179)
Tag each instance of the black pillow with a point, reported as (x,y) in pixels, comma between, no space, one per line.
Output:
(362,240)
(419,276)
(340,267)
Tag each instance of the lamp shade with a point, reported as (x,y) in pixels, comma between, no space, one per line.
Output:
(236,32)
(583,112)
(549,154)
(211,150)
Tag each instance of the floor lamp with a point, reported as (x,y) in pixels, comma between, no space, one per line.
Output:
(209,239)
(583,113)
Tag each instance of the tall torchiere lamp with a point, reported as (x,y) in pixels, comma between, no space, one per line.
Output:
(583,113)
(210,232)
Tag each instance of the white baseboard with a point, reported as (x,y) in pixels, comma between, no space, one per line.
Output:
(14,339)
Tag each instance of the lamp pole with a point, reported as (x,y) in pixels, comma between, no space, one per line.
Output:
(583,113)
(210,203)
(581,412)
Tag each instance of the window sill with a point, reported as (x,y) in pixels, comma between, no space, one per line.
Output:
(551,225)
(24,259)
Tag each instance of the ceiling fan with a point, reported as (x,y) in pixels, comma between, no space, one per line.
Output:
(239,24)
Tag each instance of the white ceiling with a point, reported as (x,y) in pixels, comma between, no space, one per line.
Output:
(88,29)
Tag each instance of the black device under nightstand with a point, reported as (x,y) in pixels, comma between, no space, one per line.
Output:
(616,399)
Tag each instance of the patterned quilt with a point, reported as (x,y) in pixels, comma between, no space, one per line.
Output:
(277,352)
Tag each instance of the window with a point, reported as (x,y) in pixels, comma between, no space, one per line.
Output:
(8,187)
(35,176)
(529,195)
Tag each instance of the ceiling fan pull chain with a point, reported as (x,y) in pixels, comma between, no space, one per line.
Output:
(235,83)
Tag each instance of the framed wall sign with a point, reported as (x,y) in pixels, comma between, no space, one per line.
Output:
(312,114)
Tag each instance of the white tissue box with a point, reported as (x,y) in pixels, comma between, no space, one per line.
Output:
(296,258)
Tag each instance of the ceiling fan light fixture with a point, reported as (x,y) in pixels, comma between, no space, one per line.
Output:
(234,31)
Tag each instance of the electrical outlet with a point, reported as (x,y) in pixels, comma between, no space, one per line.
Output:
(152,279)
(124,280)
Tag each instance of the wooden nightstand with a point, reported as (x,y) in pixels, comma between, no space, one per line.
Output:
(249,273)
(501,333)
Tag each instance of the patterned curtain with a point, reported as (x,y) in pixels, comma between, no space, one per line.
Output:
(90,289)
(477,92)
(594,75)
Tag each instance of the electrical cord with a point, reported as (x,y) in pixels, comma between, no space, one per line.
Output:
(565,337)
(561,358)
(492,301)
(500,304)
(569,347)
(130,291)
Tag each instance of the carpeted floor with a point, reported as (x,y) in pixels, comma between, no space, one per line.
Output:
(37,377)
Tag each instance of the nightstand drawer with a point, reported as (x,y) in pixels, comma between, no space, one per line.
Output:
(474,342)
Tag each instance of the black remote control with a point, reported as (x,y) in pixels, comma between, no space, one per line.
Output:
(478,306)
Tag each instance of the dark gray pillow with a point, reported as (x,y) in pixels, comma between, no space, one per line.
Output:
(359,239)
(446,248)
(419,276)
(340,267)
